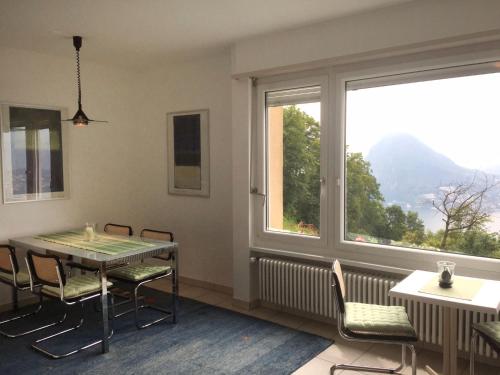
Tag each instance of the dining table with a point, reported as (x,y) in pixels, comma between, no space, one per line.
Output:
(105,252)
(468,293)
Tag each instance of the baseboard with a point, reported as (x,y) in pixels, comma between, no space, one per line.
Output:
(207,285)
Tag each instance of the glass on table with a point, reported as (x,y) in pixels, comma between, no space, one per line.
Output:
(446,272)
(89,233)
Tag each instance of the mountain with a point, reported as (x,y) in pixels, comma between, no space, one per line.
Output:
(410,173)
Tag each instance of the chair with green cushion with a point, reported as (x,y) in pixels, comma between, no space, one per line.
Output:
(47,271)
(372,323)
(490,332)
(18,280)
(140,274)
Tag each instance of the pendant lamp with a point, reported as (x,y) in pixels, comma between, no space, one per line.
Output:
(80,119)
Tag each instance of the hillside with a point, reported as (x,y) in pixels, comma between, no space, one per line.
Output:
(410,173)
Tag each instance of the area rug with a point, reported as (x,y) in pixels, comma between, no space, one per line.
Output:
(206,339)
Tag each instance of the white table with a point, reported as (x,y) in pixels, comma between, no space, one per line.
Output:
(486,300)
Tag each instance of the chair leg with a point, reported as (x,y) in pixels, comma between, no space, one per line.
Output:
(472,351)
(138,307)
(78,325)
(380,369)
(32,313)
(15,303)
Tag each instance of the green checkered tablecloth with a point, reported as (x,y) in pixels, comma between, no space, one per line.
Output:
(103,243)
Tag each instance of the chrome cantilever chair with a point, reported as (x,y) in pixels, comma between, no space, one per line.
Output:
(372,323)
(143,273)
(17,280)
(490,332)
(47,270)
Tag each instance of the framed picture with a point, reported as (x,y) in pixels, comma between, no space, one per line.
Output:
(188,153)
(34,153)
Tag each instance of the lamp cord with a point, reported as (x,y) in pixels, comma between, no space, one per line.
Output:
(78,78)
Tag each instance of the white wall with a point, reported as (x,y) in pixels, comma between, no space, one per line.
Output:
(409,24)
(418,25)
(203,226)
(118,170)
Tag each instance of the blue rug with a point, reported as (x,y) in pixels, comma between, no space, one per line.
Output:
(206,339)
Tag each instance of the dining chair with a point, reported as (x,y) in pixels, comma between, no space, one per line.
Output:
(47,270)
(490,332)
(18,280)
(372,323)
(118,229)
(139,274)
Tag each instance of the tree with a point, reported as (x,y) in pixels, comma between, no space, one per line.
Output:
(395,223)
(301,166)
(364,203)
(462,207)
(479,243)
(415,229)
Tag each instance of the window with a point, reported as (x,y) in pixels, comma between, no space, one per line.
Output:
(291,131)
(422,166)
(32,153)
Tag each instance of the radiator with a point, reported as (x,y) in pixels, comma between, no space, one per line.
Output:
(307,288)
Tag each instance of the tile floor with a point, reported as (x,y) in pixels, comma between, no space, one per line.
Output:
(341,351)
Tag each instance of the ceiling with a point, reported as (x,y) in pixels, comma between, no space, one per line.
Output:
(142,33)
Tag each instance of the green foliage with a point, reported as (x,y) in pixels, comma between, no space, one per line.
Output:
(478,242)
(364,202)
(301,175)
(395,223)
(367,218)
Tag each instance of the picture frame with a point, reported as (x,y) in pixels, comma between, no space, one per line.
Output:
(188,153)
(34,153)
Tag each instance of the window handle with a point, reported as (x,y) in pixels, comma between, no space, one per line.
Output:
(255,191)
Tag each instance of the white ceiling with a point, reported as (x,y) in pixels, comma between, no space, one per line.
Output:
(143,33)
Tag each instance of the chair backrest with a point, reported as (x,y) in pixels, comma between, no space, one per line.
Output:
(339,285)
(46,269)
(8,260)
(157,235)
(121,230)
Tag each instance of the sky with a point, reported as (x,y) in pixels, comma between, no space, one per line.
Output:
(458,117)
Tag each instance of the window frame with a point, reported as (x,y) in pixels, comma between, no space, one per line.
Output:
(394,256)
(34,197)
(261,236)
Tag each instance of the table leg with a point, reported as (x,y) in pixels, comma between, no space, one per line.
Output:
(175,283)
(104,302)
(450,348)
(453,340)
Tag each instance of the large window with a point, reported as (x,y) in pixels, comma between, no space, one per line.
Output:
(422,162)
(292,182)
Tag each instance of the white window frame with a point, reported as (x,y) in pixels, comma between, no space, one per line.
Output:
(393,256)
(276,239)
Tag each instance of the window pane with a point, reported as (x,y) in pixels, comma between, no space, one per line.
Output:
(293,160)
(36,151)
(422,165)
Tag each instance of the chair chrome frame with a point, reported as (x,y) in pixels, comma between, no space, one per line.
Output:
(136,296)
(472,349)
(345,334)
(67,302)
(20,287)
